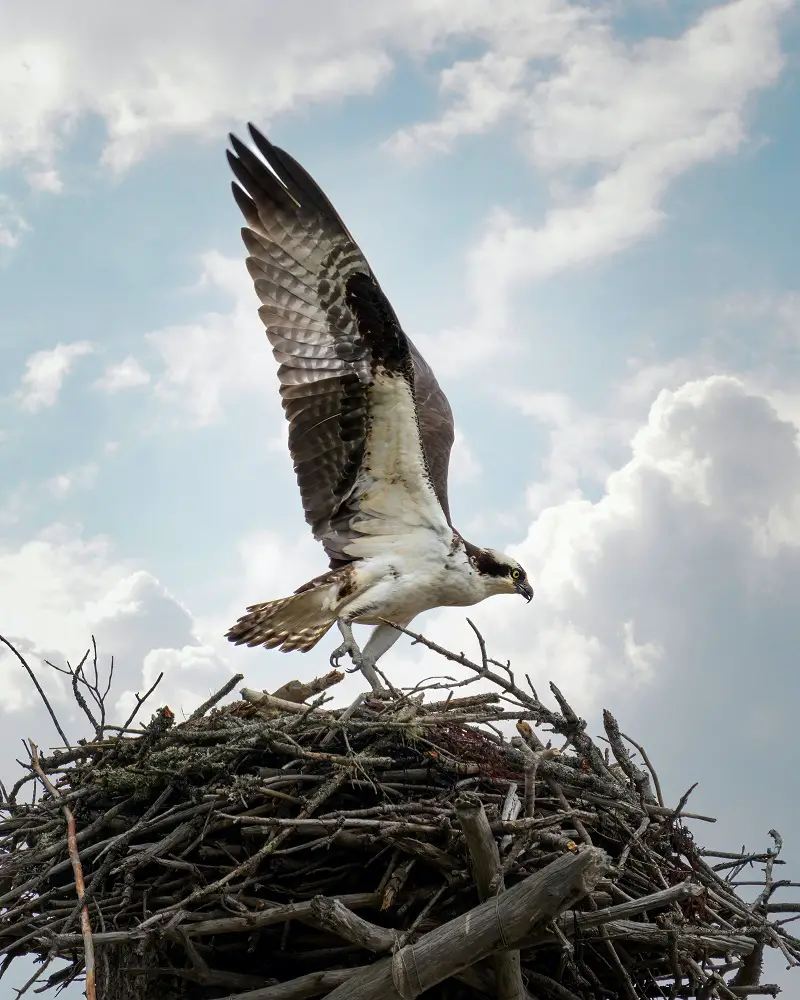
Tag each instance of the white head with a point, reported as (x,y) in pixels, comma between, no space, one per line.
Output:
(500,573)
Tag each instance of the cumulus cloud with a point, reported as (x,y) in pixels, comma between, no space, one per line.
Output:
(56,591)
(126,374)
(270,565)
(149,73)
(45,372)
(609,128)
(216,357)
(46,180)
(690,541)
(638,117)
(486,90)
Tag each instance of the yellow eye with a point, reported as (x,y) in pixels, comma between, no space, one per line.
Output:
(515,574)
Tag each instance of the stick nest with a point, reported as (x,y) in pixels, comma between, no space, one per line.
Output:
(275,848)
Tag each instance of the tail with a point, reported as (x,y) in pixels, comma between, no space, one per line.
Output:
(296,622)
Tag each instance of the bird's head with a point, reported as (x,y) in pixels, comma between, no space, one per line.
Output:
(501,574)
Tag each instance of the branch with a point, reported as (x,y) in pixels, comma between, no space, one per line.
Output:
(304,986)
(201,710)
(86,926)
(333,916)
(498,923)
(298,691)
(488,877)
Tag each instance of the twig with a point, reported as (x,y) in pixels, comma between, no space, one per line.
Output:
(141,700)
(648,765)
(226,689)
(38,687)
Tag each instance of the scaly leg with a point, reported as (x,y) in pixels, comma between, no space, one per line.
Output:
(383,637)
(364,664)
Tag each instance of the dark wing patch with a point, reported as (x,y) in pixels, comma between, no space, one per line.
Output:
(331,327)
(377,323)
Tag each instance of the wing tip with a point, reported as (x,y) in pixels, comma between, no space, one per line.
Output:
(247,205)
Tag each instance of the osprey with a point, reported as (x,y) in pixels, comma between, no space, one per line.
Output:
(370,431)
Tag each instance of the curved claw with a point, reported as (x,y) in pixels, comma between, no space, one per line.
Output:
(337,654)
(360,662)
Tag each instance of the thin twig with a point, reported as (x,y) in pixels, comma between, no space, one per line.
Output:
(38,687)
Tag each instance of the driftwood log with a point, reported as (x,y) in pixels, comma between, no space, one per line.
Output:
(437,842)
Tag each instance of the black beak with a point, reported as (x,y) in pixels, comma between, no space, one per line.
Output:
(524,588)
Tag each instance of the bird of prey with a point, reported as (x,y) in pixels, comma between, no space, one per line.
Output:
(370,431)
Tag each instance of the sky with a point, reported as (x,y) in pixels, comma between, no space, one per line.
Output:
(585,217)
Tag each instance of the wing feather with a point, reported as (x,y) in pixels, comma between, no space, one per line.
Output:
(370,430)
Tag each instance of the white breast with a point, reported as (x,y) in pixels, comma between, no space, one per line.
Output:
(402,583)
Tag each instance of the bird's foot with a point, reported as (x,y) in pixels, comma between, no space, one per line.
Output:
(346,650)
(366,664)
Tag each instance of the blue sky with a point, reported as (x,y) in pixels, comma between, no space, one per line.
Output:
(586,218)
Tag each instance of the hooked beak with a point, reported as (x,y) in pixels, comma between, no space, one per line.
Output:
(524,588)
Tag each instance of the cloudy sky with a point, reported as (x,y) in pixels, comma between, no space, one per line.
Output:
(584,214)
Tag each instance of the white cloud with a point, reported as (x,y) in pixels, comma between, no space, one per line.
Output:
(58,589)
(611,127)
(582,446)
(83,477)
(45,372)
(46,180)
(126,374)
(487,89)
(12,225)
(641,117)
(693,538)
(221,354)
(148,72)
(608,127)
(269,566)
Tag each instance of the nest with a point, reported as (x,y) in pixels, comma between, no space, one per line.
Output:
(463,844)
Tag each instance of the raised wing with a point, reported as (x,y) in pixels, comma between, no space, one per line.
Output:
(370,430)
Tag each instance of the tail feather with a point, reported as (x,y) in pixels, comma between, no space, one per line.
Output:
(289,623)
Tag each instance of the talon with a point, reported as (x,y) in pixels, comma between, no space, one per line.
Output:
(360,662)
(337,654)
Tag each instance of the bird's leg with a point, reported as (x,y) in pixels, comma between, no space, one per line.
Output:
(365,664)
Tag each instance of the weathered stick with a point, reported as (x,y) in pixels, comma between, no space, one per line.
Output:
(571,923)
(332,915)
(501,922)
(264,700)
(298,691)
(201,710)
(233,925)
(311,985)
(77,868)
(486,871)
